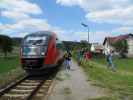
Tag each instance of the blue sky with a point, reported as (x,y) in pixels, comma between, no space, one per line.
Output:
(20,17)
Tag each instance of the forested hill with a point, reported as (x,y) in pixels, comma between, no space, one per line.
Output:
(17,40)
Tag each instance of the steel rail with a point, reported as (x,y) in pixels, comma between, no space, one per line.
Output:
(35,90)
(12,85)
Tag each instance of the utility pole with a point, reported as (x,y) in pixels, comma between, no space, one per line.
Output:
(87,26)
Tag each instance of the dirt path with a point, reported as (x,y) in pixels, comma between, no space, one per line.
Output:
(73,85)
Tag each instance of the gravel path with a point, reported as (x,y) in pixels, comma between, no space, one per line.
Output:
(73,85)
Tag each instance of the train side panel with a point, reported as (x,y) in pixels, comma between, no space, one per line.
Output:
(51,53)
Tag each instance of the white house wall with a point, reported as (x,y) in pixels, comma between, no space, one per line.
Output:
(130,47)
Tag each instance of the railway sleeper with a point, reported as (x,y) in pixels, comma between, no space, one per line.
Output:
(17,91)
(14,96)
(29,84)
(31,81)
(25,87)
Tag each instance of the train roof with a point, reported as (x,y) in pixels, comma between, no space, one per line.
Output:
(48,33)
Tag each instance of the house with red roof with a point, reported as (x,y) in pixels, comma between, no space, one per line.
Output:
(108,41)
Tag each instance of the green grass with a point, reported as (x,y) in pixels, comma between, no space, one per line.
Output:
(121,64)
(120,83)
(7,64)
(10,76)
(103,98)
(10,70)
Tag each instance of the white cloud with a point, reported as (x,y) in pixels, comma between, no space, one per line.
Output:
(20,14)
(117,16)
(16,9)
(25,25)
(94,5)
(110,11)
(116,12)
(22,27)
(123,29)
(20,11)
(14,15)
(97,36)
(21,6)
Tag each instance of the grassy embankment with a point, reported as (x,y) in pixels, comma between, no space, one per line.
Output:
(9,69)
(10,62)
(7,64)
(119,83)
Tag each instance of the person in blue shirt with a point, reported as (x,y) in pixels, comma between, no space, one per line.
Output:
(110,61)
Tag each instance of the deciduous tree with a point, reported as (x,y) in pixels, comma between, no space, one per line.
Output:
(6,44)
(121,47)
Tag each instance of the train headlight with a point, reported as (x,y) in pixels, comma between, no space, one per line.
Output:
(42,53)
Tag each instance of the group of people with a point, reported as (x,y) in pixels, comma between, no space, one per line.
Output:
(83,54)
(87,55)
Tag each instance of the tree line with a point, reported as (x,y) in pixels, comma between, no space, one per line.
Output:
(7,43)
(73,45)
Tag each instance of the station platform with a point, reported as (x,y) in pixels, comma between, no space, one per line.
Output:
(74,85)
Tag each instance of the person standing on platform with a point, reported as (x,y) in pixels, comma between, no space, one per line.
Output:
(67,59)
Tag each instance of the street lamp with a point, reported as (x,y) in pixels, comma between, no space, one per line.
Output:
(85,25)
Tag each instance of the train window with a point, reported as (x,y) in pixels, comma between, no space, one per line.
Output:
(58,44)
(35,39)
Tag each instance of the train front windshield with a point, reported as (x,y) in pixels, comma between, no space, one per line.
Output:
(35,40)
(34,45)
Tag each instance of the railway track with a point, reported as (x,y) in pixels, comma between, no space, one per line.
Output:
(28,88)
